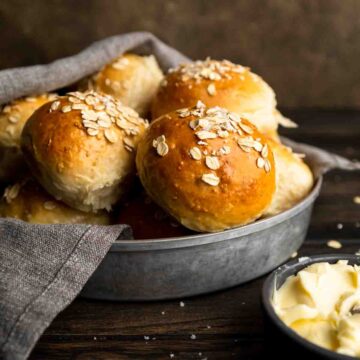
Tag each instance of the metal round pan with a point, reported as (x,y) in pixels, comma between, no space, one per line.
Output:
(171,268)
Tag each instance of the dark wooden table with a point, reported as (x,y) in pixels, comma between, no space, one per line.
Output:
(227,324)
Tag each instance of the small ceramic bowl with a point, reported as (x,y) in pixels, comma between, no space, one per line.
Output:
(281,339)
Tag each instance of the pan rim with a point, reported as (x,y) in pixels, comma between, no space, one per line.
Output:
(209,238)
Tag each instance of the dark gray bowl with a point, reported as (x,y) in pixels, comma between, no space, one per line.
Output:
(279,337)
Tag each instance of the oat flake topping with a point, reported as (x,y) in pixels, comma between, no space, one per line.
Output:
(210,179)
(11,192)
(14,109)
(49,205)
(101,114)
(195,153)
(161,146)
(218,123)
(209,69)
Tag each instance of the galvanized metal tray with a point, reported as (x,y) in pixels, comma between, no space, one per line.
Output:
(185,266)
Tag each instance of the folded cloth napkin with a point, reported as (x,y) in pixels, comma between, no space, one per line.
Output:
(321,161)
(44,267)
(36,79)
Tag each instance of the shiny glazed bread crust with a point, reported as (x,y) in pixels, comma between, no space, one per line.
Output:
(81,149)
(199,197)
(219,83)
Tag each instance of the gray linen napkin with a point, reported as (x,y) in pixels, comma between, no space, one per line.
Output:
(63,72)
(44,267)
(321,161)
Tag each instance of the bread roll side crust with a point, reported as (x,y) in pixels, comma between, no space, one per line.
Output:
(294,179)
(27,201)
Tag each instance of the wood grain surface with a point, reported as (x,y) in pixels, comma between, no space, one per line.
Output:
(227,324)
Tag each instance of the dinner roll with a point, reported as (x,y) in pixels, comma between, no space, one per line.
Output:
(147,220)
(294,179)
(132,79)
(81,148)
(13,117)
(219,83)
(209,168)
(27,201)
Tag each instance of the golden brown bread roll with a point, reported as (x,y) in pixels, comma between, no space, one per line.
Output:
(27,201)
(207,167)
(81,148)
(219,83)
(13,117)
(294,179)
(147,220)
(132,79)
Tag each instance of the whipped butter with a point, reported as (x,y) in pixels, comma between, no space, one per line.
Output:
(322,304)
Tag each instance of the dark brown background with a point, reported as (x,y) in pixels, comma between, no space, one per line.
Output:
(308,50)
